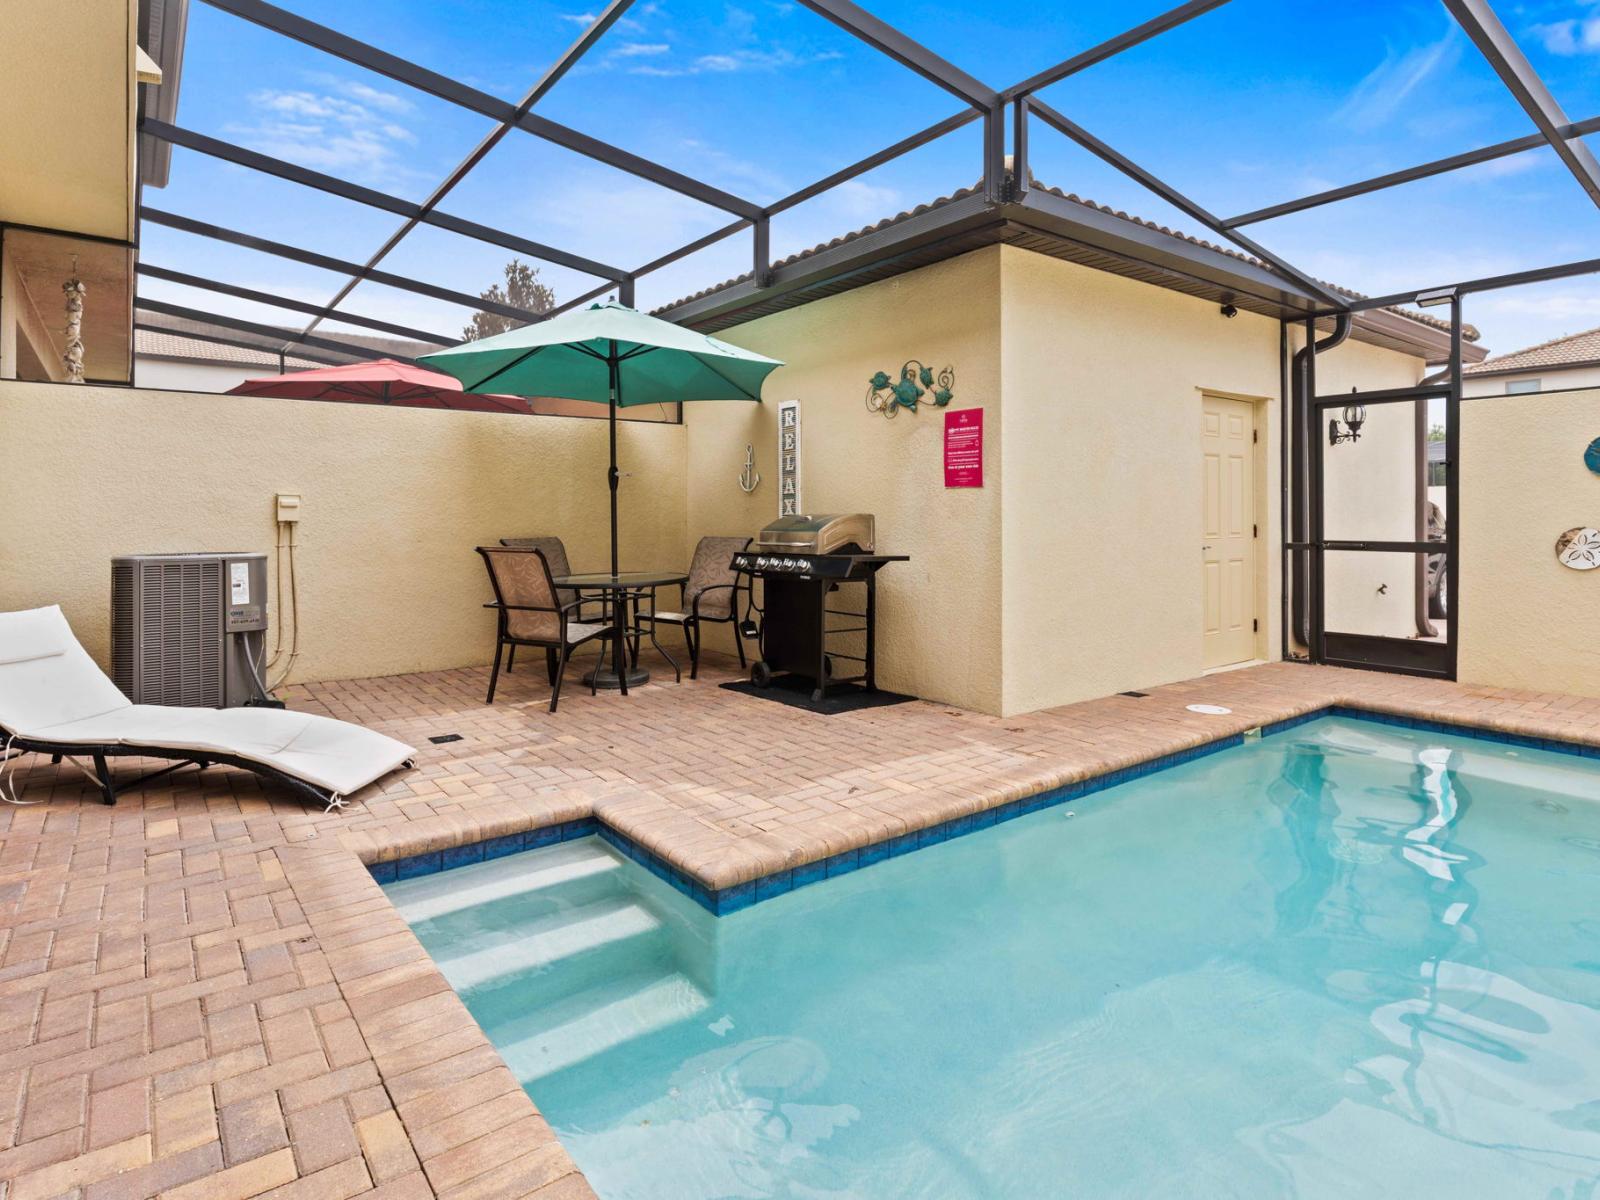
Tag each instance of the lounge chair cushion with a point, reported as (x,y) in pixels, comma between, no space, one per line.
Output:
(52,691)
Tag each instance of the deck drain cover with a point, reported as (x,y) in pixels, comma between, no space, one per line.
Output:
(1135,695)
(445,737)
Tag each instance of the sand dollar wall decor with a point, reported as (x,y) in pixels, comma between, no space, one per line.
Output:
(1579,549)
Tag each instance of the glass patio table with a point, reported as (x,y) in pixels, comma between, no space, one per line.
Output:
(623,593)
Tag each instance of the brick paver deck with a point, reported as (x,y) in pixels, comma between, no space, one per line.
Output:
(203,994)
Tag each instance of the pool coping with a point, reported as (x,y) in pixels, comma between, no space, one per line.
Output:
(727,900)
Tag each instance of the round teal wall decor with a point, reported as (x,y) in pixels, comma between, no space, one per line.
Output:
(1591,456)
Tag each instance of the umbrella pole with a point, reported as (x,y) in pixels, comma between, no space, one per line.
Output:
(616,384)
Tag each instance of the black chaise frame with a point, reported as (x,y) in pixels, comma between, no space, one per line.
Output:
(181,758)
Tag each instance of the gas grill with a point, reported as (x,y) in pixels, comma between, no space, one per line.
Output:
(802,562)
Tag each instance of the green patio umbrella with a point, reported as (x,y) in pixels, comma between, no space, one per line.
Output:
(610,354)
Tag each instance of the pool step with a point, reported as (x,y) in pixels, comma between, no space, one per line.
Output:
(573,873)
(591,1022)
(554,944)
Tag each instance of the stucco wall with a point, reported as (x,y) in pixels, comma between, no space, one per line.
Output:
(394,502)
(67,158)
(1550,379)
(1527,621)
(939,614)
(1103,381)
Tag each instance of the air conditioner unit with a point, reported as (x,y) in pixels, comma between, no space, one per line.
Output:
(188,629)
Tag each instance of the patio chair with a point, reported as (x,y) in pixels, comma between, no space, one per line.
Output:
(710,595)
(531,613)
(555,553)
(55,700)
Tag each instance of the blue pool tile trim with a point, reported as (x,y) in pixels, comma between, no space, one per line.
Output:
(741,896)
(1476,732)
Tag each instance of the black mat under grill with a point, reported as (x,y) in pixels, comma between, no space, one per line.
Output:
(795,691)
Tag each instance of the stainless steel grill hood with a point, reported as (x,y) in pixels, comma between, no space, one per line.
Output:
(820,533)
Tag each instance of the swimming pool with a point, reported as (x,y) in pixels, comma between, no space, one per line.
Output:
(1344,960)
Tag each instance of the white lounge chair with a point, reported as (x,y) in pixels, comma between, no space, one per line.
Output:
(55,700)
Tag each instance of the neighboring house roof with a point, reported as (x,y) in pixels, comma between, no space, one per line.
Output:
(178,339)
(1558,354)
(1054,222)
(149,343)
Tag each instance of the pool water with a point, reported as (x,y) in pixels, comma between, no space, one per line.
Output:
(1347,960)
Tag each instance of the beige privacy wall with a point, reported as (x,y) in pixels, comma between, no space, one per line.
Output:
(1527,621)
(939,614)
(395,499)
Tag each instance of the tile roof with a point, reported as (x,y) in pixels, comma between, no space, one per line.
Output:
(170,342)
(1571,350)
(1469,332)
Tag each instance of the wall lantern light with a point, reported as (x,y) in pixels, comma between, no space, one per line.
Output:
(1355,417)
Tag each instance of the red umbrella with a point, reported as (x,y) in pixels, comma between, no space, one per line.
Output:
(382,381)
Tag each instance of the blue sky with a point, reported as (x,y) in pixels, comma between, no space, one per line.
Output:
(1257,102)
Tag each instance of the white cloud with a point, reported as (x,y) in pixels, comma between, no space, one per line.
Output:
(641,49)
(1571,37)
(350,132)
(857,200)
(716,164)
(738,60)
(1385,90)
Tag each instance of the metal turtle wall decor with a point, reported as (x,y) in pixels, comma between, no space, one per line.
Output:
(1591,456)
(889,396)
(1579,549)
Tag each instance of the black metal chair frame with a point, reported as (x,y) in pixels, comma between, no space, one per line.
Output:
(182,758)
(692,618)
(588,596)
(556,655)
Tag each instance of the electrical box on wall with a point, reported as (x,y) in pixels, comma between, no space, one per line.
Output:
(288,508)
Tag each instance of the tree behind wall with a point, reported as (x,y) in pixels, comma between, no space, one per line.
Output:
(522,289)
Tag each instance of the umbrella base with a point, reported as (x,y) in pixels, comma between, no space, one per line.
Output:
(606,678)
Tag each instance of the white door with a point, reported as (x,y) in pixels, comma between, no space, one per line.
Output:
(1227,441)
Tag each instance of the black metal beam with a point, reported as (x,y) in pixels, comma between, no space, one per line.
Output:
(228,152)
(1021,173)
(906,51)
(625,289)
(391,66)
(587,38)
(218,339)
(1438,166)
(1517,73)
(1111,46)
(994,154)
(243,293)
(761,252)
(932,133)
(1488,283)
(326,262)
(271,332)
(1176,198)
